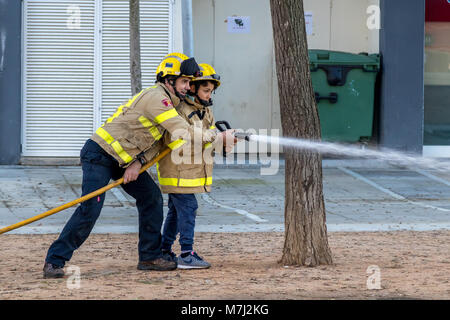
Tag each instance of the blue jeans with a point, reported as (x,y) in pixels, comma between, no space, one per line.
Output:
(98,168)
(180,218)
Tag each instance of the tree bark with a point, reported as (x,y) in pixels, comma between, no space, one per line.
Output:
(306,241)
(135,48)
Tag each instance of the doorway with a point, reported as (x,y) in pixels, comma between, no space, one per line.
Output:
(437,79)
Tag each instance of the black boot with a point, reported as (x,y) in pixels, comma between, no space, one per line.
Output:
(52,271)
(159,264)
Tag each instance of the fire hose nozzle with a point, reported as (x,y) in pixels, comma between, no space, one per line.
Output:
(242,135)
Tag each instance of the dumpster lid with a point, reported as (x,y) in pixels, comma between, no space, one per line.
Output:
(342,58)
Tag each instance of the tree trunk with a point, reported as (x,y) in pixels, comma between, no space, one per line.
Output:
(306,241)
(135,48)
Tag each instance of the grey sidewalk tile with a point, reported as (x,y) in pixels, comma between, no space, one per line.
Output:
(242,197)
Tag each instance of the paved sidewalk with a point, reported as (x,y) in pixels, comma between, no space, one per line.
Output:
(360,195)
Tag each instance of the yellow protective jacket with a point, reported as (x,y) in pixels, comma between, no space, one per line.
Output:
(196,175)
(136,128)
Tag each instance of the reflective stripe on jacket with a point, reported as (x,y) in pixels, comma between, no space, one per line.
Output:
(188,177)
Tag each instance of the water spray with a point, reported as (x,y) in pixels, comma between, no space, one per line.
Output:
(388,155)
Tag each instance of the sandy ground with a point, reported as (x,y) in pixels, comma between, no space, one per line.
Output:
(412,265)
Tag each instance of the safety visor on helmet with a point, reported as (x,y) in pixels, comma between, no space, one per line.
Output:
(189,67)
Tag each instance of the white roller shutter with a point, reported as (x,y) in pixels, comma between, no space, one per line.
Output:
(74,78)
(58,76)
(155,39)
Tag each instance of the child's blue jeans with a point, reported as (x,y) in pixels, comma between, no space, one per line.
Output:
(180,219)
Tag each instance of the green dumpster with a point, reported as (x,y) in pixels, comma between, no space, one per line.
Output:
(344,86)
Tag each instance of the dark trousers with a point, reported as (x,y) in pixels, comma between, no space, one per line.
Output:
(98,168)
(180,218)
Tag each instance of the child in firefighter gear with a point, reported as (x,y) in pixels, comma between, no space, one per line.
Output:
(183,179)
(128,139)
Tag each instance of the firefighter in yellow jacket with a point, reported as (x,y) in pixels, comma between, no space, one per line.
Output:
(128,139)
(181,179)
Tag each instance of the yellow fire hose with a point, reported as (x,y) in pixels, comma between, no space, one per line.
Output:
(83,198)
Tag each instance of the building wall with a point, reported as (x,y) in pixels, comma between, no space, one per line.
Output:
(10,81)
(177,29)
(244,61)
(249,95)
(341,25)
(402,77)
(91,66)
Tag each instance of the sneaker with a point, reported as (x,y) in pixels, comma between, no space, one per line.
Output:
(159,264)
(169,256)
(192,261)
(53,271)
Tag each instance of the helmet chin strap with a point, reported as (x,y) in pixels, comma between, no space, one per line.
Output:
(179,95)
(205,103)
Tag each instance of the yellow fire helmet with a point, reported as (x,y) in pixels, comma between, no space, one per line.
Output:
(177,64)
(208,73)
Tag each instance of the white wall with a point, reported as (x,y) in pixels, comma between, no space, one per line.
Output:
(177,29)
(244,61)
(341,25)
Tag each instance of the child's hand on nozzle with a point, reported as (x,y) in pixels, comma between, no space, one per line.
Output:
(228,137)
